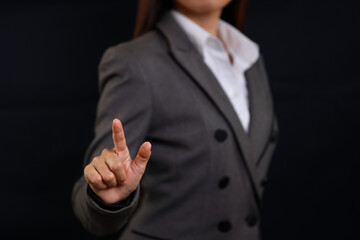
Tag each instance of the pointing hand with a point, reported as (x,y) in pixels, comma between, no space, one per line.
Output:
(113,175)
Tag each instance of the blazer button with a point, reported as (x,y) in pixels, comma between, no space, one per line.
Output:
(224,226)
(224,182)
(251,220)
(220,135)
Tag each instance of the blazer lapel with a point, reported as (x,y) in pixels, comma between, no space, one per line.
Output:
(191,61)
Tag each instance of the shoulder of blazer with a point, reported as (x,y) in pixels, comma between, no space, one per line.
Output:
(126,56)
(146,45)
(166,36)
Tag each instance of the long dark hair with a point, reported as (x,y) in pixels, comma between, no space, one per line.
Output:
(150,11)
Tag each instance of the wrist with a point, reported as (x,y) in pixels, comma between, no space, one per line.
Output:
(111,207)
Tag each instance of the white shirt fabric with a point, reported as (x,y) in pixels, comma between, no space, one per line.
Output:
(230,75)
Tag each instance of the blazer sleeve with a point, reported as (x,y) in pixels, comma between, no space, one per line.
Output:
(124,94)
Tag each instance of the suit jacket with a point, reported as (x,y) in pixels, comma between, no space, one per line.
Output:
(205,176)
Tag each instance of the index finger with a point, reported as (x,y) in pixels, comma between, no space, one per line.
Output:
(118,135)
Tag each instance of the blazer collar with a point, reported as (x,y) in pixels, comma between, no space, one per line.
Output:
(185,54)
(174,34)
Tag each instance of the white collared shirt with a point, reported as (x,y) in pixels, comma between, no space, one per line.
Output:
(231,76)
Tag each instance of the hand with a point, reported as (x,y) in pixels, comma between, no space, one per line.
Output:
(113,175)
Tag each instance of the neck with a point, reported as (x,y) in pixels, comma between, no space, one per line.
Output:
(207,20)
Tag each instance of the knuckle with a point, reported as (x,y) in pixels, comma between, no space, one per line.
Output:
(106,151)
(95,180)
(108,177)
(115,166)
(95,159)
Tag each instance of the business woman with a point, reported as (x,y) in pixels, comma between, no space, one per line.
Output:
(190,91)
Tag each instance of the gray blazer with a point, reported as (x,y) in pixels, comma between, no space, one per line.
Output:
(205,176)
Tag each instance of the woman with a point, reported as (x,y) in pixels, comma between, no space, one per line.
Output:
(192,92)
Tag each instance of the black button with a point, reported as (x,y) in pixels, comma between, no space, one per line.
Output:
(220,135)
(224,226)
(264,181)
(274,135)
(224,182)
(251,220)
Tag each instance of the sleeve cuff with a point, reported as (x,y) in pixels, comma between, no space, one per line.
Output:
(110,207)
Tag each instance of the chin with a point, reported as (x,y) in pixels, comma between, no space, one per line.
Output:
(203,6)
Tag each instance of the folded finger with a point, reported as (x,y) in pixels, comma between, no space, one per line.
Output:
(106,174)
(94,178)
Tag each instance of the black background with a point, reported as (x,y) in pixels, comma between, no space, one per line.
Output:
(49,53)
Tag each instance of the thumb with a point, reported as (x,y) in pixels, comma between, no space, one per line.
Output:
(141,159)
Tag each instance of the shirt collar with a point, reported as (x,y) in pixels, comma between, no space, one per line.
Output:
(195,33)
(238,44)
(244,49)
